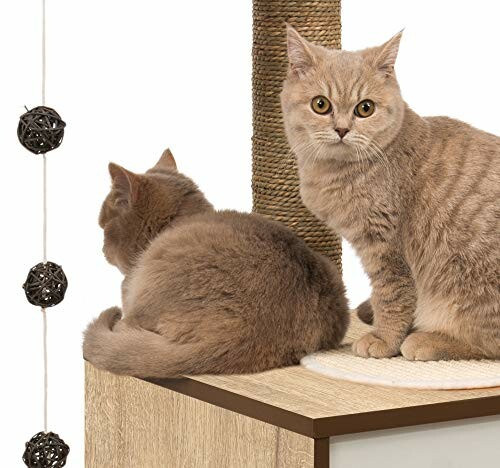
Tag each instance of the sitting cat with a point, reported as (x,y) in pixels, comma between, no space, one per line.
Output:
(418,198)
(207,291)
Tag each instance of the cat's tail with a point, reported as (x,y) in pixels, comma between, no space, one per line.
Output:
(111,344)
(365,312)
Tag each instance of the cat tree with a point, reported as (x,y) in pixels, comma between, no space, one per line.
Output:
(286,417)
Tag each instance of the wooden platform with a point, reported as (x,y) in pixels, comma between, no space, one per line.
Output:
(317,406)
(283,417)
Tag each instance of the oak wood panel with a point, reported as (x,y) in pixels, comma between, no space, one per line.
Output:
(315,396)
(131,423)
(271,404)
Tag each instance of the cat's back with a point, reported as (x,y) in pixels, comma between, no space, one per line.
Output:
(455,205)
(232,235)
(460,142)
(247,248)
(459,165)
(242,265)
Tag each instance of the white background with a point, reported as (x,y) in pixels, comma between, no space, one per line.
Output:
(131,78)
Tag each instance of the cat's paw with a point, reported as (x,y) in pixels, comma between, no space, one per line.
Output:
(370,345)
(417,348)
(421,346)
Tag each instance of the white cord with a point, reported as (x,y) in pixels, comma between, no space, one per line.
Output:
(44,311)
(44,61)
(45,371)
(44,235)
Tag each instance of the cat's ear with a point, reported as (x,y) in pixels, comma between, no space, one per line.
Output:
(300,52)
(166,161)
(125,184)
(386,54)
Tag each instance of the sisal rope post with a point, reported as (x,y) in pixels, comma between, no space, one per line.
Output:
(275,181)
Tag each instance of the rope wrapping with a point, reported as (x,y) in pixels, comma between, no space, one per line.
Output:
(275,181)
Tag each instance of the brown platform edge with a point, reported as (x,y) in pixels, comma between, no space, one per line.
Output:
(409,416)
(322,453)
(239,404)
(336,425)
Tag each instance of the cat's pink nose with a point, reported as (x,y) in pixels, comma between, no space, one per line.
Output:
(342,132)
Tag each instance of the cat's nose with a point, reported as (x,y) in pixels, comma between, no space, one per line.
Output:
(342,132)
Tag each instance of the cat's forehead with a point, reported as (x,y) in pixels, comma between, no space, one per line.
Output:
(344,60)
(346,75)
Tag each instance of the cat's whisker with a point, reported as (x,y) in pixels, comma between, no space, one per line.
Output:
(383,157)
(290,156)
(315,154)
(364,159)
(313,148)
(373,150)
(324,132)
(358,156)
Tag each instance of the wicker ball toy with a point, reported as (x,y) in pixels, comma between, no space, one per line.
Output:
(45,285)
(45,450)
(41,130)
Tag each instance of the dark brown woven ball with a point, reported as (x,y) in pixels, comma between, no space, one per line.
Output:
(45,450)
(40,130)
(45,285)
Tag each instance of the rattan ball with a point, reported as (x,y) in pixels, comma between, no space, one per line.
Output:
(45,450)
(45,285)
(41,130)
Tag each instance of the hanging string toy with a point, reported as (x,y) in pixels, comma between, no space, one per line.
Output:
(41,130)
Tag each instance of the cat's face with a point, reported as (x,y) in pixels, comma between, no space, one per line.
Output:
(341,105)
(139,207)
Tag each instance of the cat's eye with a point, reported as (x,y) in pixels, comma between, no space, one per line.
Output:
(365,108)
(321,105)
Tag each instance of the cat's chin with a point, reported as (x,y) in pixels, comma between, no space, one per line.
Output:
(341,152)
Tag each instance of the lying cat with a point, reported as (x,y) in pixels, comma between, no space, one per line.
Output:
(207,291)
(418,198)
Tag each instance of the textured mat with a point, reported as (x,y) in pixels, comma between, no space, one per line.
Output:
(398,372)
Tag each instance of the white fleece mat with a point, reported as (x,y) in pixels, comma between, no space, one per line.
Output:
(398,372)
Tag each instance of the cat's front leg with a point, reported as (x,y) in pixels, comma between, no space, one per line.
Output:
(393,301)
